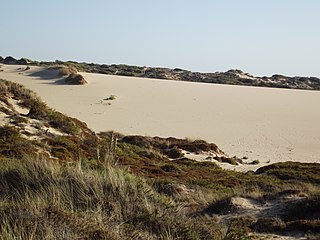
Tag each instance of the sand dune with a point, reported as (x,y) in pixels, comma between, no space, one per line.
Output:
(260,123)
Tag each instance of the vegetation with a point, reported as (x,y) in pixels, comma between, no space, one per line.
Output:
(75,79)
(38,109)
(66,71)
(232,77)
(82,185)
(254,162)
(293,171)
(41,199)
(112,97)
(12,144)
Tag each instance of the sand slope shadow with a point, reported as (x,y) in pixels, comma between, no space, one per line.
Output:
(45,74)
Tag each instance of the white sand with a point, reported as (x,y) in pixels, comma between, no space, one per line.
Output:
(260,123)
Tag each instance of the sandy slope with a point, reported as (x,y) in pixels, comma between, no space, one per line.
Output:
(260,123)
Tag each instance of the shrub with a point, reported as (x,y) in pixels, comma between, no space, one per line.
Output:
(66,71)
(75,79)
(294,171)
(230,160)
(255,162)
(174,153)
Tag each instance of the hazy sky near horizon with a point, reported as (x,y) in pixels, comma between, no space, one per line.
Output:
(261,37)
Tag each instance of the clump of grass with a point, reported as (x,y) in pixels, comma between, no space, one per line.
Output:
(63,70)
(66,71)
(16,119)
(255,162)
(230,160)
(41,199)
(112,97)
(12,144)
(237,230)
(17,90)
(75,79)
(174,153)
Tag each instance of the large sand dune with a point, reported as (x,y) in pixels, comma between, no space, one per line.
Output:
(260,123)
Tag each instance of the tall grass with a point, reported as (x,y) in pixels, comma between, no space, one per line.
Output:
(46,200)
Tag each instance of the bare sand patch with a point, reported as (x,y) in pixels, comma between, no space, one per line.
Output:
(260,123)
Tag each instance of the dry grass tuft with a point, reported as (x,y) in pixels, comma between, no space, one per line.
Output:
(41,199)
(75,79)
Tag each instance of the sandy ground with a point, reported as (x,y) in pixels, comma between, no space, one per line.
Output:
(260,123)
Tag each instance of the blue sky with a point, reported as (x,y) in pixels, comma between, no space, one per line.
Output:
(262,37)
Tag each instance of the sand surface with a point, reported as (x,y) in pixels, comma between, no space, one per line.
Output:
(260,123)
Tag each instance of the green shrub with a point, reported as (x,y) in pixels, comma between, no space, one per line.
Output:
(75,79)
(255,162)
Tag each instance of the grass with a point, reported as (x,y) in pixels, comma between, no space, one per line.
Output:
(66,71)
(59,197)
(12,144)
(293,171)
(41,199)
(255,162)
(302,215)
(63,69)
(112,97)
(54,200)
(38,109)
(147,159)
(75,79)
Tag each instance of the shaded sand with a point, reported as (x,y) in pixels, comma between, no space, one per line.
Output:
(260,123)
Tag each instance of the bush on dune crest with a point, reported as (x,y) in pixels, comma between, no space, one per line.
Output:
(75,79)
(65,71)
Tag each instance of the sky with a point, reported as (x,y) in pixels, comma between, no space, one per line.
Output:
(262,37)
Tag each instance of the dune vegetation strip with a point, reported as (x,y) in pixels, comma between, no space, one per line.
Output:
(231,77)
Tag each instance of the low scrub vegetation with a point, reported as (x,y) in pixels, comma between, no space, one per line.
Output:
(107,188)
(38,109)
(66,71)
(75,79)
(13,145)
(293,171)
